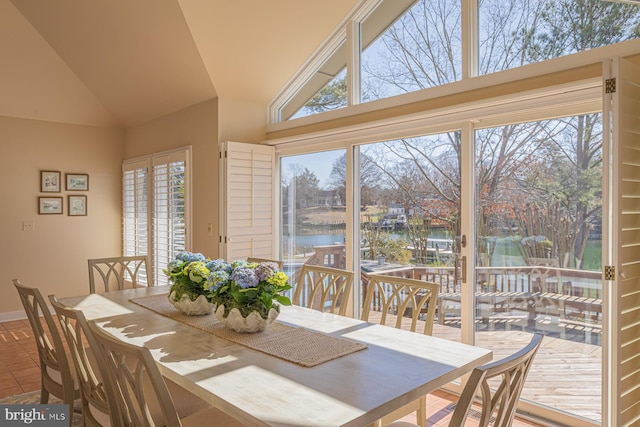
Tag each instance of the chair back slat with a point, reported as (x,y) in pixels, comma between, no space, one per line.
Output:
(114,273)
(325,289)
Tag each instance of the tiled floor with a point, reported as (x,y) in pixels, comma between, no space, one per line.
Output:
(19,369)
(20,373)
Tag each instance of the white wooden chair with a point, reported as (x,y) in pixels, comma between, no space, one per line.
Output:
(83,346)
(402,303)
(503,401)
(116,272)
(138,386)
(87,360)
(56,373)
(325,289)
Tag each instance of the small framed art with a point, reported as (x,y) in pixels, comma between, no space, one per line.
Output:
(49,205)
(77,182)
(50,181)
(77,206)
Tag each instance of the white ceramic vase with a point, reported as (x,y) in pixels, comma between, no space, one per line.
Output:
(198,307)
(252,323)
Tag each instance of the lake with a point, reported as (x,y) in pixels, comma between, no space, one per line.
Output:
(505,254)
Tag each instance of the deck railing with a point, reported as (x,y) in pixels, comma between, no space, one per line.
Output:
(548,298)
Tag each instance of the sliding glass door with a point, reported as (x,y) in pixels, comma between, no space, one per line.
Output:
(538,226)
(533,259)
(410,217)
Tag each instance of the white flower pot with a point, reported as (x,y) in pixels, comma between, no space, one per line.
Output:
(252,323)
(198,307)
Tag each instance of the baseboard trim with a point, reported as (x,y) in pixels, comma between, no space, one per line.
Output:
(10,316)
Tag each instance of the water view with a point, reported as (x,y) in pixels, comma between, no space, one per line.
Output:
(505,252)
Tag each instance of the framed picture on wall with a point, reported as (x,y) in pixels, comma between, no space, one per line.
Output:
(50,181)
(77,206)
(77,182)
(49,205)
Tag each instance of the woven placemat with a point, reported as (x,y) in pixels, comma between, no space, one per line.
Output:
(298,345)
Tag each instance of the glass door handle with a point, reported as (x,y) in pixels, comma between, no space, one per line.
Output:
(463,273)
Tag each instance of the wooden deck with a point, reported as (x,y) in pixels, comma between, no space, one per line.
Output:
(565,375)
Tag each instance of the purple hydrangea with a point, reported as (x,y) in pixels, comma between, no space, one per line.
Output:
(266,270)
(245,277)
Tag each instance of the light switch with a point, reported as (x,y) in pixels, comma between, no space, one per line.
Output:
(210,229)
(28,226)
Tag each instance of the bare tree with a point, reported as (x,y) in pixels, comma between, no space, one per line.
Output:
(516,164)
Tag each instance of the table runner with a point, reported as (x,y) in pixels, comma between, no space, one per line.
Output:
(298,345)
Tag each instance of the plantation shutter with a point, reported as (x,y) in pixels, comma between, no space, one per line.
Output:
(135,209)
(622,262)
(246,201)
(169,219)
(155,209)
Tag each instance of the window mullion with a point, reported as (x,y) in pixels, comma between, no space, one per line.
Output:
(354,49)
(470,37)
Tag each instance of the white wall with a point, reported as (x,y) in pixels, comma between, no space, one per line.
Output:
(53,257)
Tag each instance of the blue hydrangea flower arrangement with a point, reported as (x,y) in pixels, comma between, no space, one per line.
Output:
(240,284)
(187,274)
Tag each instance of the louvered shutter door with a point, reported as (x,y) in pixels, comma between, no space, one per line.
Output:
(135,210)
(622,125)
(170,219)
(246,200)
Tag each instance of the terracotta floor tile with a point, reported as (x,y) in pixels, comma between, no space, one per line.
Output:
(5,377)
(19,363)
(29,386)
(10,351)
(28,371)
(16,324)
(10,391)
(8,383)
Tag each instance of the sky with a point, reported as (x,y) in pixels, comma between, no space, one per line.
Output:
(318,163)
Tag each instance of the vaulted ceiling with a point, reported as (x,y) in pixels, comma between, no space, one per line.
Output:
(125,62)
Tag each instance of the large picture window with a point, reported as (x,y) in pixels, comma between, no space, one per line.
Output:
(155,206)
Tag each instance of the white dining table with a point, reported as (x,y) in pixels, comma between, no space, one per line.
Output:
(258,389)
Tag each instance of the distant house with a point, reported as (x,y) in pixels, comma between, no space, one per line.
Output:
(329,198)
(395,209)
